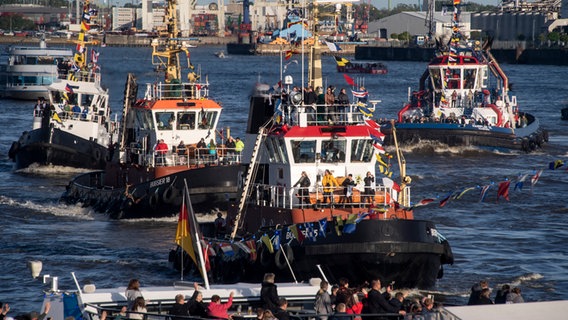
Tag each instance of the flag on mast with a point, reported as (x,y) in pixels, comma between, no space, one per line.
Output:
(183,236)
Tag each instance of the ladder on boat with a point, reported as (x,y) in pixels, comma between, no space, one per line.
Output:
(251,175)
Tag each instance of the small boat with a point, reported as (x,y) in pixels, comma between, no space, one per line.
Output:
(293,217)
(162,142)
(464,99)
(73,127)
(220,54)
(88,302)
(346,66)
(30,70)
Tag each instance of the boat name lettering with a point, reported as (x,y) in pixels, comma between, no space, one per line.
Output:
(159,182)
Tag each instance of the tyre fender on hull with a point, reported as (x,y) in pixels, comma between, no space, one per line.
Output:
(280,259)
(265,257)
(170,194)
(154,199)
(13,149)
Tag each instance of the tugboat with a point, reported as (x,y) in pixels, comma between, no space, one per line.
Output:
(464,100)
(29,70)
(166,137)
(73,127)
(293,216)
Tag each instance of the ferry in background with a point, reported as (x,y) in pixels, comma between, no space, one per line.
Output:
(28,71)
(464,100)
(73,127)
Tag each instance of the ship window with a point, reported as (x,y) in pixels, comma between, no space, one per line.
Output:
(186,121)
(207,119)
(436,79)
(333,151)
(165,120)
(454,79)
(361,150)
(304,151)
(469,78)
(276,151)
(86,99)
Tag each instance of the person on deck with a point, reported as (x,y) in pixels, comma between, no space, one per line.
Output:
(369,181)
(269,293)
(161,150)
(218,310)
(180,308)
(303,193)
(347,185)
(343,105)
(377,303)
(329,184)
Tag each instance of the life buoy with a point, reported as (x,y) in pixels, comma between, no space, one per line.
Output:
(265,257)
(279,258)
(170,194)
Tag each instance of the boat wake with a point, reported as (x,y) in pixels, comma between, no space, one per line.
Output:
(51,170)
(53,208)
(430,147)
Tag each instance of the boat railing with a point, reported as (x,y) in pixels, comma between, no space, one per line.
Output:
(189,157)
(319,115)
(160,311)
(183,90)
(307,197)
(81,75)
(73,115)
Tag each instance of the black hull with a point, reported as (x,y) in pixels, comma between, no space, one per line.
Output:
(241,48)
(404,251)
(526,139)
(209,188)
(51,146)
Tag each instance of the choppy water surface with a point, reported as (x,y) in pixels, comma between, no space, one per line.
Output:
(521,242)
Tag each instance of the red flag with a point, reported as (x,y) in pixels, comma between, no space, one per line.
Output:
(288,55)
(252,246)
(349,80)
(503,190)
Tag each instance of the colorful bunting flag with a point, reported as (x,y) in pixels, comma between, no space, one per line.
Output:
(266,240)
(338,225)
(322,226)
(341,62)
(350,224)
(349,80)
(333,47)
(503,190)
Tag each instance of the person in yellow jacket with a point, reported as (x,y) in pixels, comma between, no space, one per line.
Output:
(329,184)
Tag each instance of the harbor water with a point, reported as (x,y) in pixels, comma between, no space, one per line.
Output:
(521,242)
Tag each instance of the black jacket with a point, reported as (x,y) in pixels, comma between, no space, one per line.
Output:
(376,303)
(179,310)
(269,296)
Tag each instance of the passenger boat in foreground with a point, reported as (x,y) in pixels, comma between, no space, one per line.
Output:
(73,127)
(346,66)
(464,100)
(88,302)
(158,145)
(283,224)
(29,70)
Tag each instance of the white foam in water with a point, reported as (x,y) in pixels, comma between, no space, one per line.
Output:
(56,209)
(51,170)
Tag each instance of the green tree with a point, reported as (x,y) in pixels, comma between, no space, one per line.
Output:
(405,36)
(394,36)
(553,36)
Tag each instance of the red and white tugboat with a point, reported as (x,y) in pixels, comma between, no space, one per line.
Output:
(464,100)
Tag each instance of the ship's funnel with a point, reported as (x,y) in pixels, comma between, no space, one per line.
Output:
(35,267)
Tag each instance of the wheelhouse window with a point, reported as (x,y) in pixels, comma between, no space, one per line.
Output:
(469,78)
(186,120)
(361,150)
(207,119)
(333,151)
(276,150)
(165,120)
(454,79)
(436,78)
(304,151)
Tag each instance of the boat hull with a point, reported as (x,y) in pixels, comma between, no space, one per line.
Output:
(407,252)
(52,146)
(25,92)
(209,187)
(526,139)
